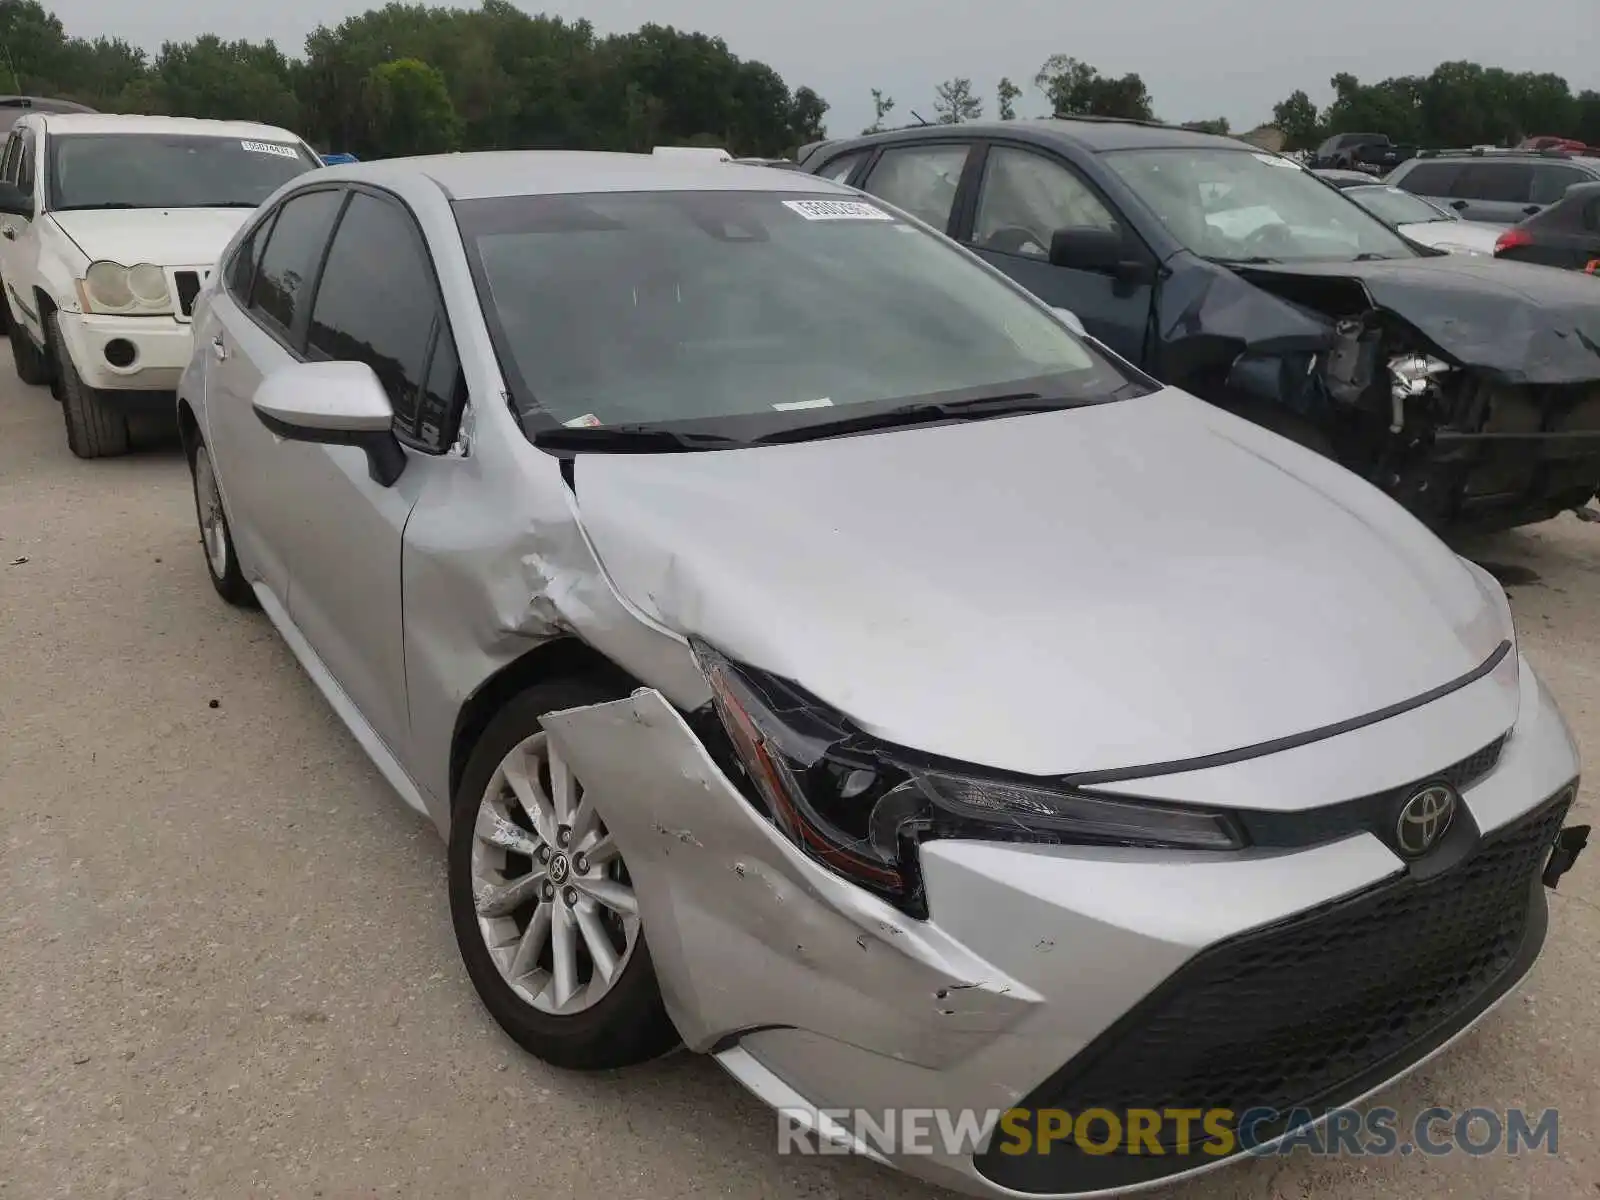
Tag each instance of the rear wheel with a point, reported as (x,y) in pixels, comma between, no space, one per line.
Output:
(222,563)
(96,427)
(544,909)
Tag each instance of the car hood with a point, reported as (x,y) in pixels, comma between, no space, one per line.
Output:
(1458,237)
(1527,324)
(1131,583)
(167,237)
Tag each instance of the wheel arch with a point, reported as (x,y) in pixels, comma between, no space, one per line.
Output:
(558,658)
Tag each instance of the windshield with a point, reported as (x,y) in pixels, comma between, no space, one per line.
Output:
(750,312)
(143,170)
(1241,205)
(1396,207)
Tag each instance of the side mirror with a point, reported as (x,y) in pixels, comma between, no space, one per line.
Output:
(1103,251)
(333,404)
(14,202)
(1070,319)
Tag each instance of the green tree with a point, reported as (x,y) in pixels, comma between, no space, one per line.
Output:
(1299,120)
(1076,89)
(1008,93)
(32,47)
(409,110)
(882,106)
(953,102)
(220,80)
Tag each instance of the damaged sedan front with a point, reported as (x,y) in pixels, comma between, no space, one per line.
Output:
(787,621)
(1467,389)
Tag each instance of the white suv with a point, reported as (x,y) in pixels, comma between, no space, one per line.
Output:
(109,226)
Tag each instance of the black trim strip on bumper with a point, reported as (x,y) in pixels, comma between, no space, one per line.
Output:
(1278,745)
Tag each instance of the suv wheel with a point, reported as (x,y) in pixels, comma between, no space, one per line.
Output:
(544,910)
(96,428)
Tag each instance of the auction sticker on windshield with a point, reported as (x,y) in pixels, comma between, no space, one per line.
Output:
(271,148)
(837,210)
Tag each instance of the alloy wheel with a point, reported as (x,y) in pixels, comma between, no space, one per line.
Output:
(554,903)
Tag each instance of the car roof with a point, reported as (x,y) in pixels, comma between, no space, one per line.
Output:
(488,174)
(113,123)
(1092,134)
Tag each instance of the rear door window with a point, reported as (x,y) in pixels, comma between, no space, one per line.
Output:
(1500,182)
(1431,179)
(1550,182)
(923,180)
(841,168)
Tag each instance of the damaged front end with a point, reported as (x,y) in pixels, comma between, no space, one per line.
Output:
(1463,432)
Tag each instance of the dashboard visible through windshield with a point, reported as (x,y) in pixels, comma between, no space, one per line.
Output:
(1245,206)
(746,314)
(141,170)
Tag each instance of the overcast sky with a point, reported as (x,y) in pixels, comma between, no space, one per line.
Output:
(1231,58)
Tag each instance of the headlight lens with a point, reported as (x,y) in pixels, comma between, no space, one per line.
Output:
(861,808)
(110,287)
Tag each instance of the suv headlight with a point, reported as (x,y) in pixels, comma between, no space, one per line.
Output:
(861,807)
(141,290)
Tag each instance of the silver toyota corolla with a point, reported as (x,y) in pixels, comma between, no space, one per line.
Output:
(815,651)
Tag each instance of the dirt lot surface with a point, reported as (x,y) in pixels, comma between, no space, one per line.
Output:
(226,965)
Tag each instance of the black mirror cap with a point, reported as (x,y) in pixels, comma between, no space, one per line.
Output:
(1085,248)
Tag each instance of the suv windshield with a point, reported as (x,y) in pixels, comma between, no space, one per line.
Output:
(754,314)
(144,170)
(1396,207)
(1242,205)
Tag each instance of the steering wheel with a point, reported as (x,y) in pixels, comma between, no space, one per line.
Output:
(1260,243)
(1010,239)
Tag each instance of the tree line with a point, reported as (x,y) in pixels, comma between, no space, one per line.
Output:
(413,78)
(1458,104)
(416,79)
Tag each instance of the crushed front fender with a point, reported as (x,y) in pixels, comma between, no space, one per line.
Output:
(746,932)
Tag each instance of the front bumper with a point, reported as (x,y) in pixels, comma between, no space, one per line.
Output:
(162,347)
(1070,977)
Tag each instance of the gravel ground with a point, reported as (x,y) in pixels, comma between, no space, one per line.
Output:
(226,965)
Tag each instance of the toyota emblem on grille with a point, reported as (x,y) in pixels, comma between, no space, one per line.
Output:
(1425,819)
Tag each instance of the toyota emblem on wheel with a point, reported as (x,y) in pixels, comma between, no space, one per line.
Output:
(1425,819)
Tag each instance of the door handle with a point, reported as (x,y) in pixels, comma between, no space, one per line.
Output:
(219,348)
(1533,208)
(9,232)
(1458,205)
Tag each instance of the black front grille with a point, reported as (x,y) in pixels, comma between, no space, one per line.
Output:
(1308,1012)
(188,284)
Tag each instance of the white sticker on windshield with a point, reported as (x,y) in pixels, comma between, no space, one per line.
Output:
(1272,160)
(271,148)
(587,421)
(837,210)
(796,405)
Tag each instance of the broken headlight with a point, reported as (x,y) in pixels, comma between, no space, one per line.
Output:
(861,807)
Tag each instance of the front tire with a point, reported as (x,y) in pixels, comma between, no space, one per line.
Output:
(96,428)
(544,910)
(216,538)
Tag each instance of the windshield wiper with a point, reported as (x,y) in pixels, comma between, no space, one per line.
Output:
(218,204)
(976,409)
(1255,260)
(88,207)
(631,439)
(1371,256)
